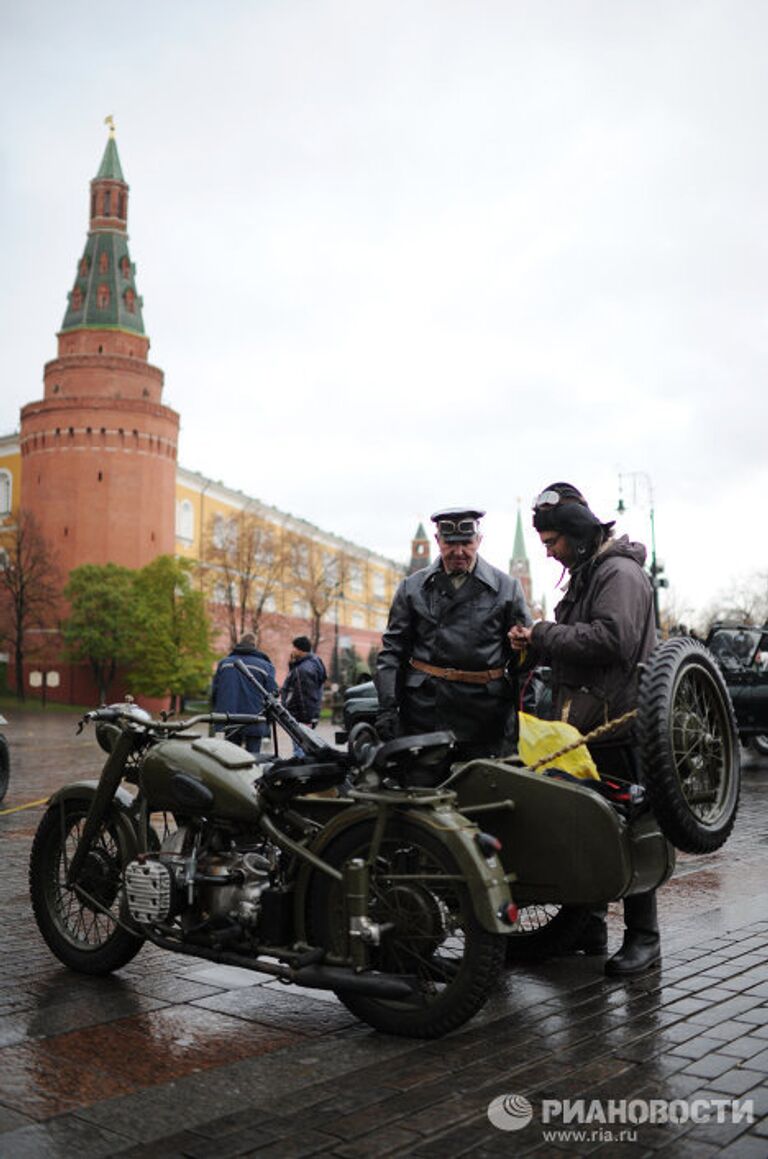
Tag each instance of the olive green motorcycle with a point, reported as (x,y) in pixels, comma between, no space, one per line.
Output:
(395,901)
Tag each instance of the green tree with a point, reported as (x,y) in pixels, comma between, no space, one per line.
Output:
(173,647)
(101,627)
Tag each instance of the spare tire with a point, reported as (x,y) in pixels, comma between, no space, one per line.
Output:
(689,745)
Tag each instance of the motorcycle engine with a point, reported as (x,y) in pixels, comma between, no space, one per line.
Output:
(201,886)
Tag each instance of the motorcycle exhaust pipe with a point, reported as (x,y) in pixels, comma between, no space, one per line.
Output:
(369,985)
(312,976)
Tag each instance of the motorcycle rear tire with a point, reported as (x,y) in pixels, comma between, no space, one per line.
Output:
(81,935)
(689,745)
(436,936)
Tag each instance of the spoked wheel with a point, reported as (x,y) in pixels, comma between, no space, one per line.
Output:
(418,891)
(80,922)
(546,931)
(5,766)
(689,745)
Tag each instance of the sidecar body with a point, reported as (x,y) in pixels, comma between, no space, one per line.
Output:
(562,842)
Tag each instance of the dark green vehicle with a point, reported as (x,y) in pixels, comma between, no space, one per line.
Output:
(404,890)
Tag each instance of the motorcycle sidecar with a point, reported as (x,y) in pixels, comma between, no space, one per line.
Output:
(567,847)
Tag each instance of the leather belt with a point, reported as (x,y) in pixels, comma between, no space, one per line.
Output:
(458,674)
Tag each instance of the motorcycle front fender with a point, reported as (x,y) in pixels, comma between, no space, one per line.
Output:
(121,809)
(485,877)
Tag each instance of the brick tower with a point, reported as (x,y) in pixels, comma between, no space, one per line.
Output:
(419,551)
(98,452)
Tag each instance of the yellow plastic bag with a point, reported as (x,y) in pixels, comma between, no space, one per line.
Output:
(540,739)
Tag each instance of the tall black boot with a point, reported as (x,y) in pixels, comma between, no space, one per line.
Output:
(594,936)
(641,947)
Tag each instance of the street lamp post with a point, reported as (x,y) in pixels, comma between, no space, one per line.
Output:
(657,580)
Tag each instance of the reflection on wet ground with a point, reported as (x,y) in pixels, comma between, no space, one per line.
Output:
(217,1061)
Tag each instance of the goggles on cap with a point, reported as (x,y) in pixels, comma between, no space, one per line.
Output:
(457,527)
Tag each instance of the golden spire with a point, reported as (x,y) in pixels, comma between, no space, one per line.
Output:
(110,120)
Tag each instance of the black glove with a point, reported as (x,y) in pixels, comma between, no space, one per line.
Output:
(388,724)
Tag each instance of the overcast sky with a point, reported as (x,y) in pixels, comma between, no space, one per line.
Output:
(403,253)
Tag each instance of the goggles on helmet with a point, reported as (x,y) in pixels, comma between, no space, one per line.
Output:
(547,499)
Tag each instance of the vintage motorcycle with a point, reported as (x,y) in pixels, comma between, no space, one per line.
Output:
(366,870)
(398,903)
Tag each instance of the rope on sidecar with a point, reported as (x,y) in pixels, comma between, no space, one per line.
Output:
(29,805)
(596,734)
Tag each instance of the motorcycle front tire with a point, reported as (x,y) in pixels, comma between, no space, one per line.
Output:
(81,923)
(430,932)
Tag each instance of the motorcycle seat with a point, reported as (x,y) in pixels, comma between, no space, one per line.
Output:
(289,778)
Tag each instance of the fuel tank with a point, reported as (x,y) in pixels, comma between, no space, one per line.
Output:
(201,775)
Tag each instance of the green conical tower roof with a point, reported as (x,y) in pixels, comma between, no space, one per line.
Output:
(104,296)
(110,163)
(519,554)
(420,532)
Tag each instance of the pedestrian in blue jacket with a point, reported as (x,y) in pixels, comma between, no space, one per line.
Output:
(233,692)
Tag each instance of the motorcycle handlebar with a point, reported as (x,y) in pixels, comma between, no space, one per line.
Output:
(131,712)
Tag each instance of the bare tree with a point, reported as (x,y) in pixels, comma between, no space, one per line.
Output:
(30,588)
(318,576)
(745,602)
(244,563)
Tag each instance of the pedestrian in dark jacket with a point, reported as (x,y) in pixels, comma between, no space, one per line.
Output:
(445,650)
(233,692)
(604,629)
(302,692)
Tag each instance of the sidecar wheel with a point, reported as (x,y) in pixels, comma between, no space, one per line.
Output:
(689,746)
(546,931)
(5,766)
(433,938)
(83,934)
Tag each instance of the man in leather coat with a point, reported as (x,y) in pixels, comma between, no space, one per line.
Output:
(604,629)
(445,651)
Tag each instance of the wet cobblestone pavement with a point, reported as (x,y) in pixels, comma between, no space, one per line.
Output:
(177,1057)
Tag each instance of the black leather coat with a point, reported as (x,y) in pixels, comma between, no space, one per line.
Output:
(464,628)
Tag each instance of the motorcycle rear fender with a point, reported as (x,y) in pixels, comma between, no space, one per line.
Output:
(485,877)
(121,809)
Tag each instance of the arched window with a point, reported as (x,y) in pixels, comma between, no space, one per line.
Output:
(77,298)
(130,301)
(102,297)
(103,262)
(107,202)
(185,520)
(125,266)
(6,492)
